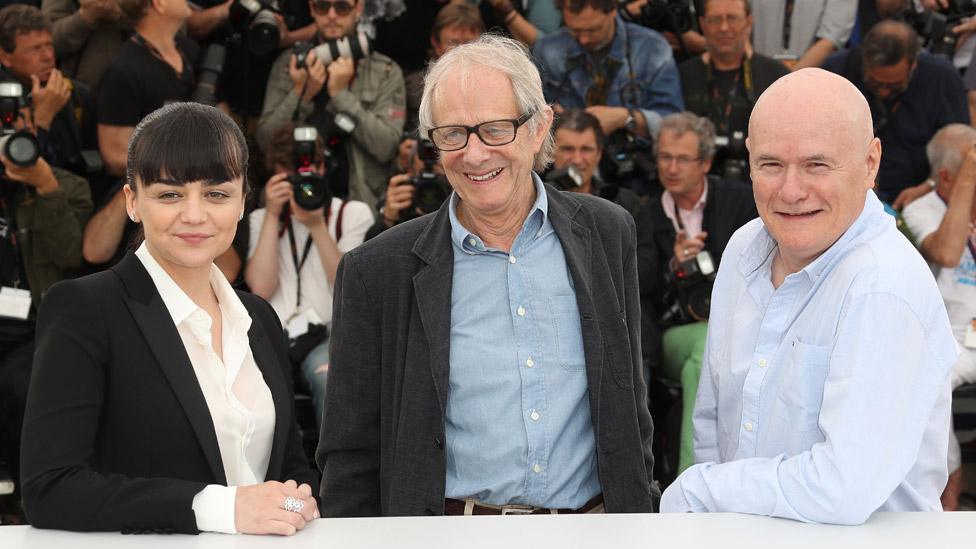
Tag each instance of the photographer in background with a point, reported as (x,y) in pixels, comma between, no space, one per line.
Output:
(802,33)
(297,240)
(418,190)
(912,94)
(153,67)
(42,213)
(87,35)
(942,223)
(62,110)
(681,237)
(674,19)
(579,147)
(358,106)
(723,83)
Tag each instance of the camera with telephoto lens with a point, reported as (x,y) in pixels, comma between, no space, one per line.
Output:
(208,74)
(565,179)
(19,146)
(431,189)
(355,46)
(935,26)
(254,23)
(666,16)
(311,190)
(689,290)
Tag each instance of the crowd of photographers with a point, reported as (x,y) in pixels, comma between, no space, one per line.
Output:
(653,99)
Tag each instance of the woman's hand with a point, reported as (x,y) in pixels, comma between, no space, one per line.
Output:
(260,508)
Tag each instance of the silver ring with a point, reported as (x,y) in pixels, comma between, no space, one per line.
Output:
(294,505)
(686,251)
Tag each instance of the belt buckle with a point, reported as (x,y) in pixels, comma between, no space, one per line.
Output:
(517,510)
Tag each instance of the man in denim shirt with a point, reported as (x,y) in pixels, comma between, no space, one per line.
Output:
(622,73)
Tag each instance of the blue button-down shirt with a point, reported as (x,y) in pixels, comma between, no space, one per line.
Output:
(825,399)
(655,88)
(518,425)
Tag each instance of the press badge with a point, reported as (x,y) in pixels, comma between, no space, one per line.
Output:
(14,303)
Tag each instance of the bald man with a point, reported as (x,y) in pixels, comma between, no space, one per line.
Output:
(824,394)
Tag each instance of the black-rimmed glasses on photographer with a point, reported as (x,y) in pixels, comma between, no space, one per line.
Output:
(493,133)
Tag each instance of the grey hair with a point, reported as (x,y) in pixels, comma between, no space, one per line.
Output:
(681,122)
(502,54)
(944,150)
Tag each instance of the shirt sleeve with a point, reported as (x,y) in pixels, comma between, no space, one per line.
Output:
(921,220)
(214,509)
(877,402)
(837,21)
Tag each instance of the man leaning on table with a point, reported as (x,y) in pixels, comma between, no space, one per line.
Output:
(486,358)
(824,394)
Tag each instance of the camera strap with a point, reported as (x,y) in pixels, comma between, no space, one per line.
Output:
(299,263)
(722,104)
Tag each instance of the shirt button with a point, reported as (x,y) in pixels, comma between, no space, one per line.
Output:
(520,311)
(511,259)
(537,468)
(748,426)
(762,363)
(534,415)
(530,363)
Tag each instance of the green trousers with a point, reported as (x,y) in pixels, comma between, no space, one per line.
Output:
(684,347)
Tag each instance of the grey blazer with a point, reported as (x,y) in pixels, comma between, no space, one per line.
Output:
(381,449)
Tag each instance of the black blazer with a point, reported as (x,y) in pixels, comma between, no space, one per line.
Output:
(381,449)
(117,434)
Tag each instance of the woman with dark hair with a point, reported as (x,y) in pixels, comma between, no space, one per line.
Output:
(161,399)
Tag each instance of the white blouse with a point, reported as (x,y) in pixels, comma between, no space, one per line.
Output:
(239,400)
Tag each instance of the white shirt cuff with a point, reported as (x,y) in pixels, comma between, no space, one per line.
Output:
(214,509)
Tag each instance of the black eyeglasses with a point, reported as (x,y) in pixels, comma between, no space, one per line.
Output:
(341,7)
(493,133)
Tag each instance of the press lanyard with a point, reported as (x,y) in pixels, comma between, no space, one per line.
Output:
(723,105)
(787,24)
(294,254)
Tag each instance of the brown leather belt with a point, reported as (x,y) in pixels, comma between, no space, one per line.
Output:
(457,507)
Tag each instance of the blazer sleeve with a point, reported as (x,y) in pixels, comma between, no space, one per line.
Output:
(64,405)
(349,443)
(295,465)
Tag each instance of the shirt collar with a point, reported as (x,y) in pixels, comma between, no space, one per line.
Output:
(667,200)
(762,245)
(180,306)
(471,243)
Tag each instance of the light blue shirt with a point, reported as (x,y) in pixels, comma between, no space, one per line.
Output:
(518,425)
(826,399)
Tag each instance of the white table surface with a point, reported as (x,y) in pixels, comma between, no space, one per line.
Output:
(718,531)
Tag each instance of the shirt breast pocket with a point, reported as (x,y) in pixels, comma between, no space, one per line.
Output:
(564,314)
(801,393)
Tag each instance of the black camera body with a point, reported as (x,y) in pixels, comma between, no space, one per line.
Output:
(355,46)
(689,289)
(731,160)
(667,16)
(431,189)
(310,190)
(254,23)
(627,157)
(935,27)
(565,179)
(19,146)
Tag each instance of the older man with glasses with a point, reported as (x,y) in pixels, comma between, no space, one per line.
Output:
(486,358)
(358,105)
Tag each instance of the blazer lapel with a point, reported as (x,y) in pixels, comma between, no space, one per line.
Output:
(156,325)
(576,241)
(268,363)
(432,288)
